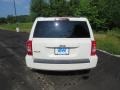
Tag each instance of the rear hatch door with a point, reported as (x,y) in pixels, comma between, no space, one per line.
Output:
(61,40)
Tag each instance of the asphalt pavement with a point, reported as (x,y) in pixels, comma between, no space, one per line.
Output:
(14,75)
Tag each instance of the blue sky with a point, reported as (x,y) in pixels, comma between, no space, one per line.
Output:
(7,7)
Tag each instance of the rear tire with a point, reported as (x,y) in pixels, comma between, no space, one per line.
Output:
(87,71)
(87,74)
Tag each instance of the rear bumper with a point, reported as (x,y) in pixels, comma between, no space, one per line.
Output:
(63,66)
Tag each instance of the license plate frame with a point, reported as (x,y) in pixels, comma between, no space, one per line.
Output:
(61,51)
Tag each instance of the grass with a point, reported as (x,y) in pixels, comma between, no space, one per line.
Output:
(108,41)
(24,27)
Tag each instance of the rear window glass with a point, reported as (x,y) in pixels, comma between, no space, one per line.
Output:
(61,29)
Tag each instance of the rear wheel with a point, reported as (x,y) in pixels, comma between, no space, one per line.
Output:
(88,71)
(87,74)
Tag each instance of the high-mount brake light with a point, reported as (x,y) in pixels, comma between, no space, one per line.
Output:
(61,18)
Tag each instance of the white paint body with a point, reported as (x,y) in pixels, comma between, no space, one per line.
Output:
(43,48)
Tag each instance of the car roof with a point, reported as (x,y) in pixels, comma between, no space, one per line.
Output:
(61,18)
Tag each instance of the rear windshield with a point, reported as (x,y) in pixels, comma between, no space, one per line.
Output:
(61,29)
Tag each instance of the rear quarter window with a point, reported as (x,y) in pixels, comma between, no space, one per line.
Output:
(61,29)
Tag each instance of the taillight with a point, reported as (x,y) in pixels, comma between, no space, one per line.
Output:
(93,48)
(29,47)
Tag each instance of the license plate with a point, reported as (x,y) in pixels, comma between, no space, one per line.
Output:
(62,51)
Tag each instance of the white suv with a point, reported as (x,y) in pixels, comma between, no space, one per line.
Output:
(61,43)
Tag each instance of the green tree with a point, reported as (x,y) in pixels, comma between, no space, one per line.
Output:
(108,11)
(103,14)
(112,12)
(3,20)
(11,19)
(39,8)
